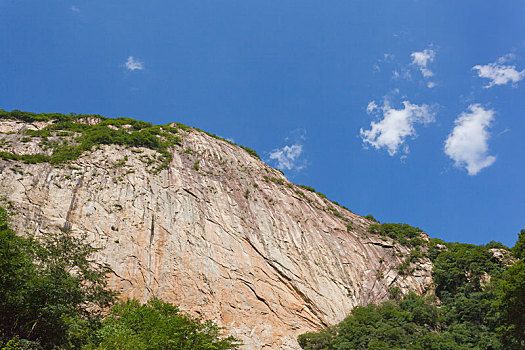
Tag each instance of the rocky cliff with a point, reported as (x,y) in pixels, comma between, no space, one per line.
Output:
(215,231)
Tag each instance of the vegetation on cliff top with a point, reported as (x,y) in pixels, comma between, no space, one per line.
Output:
(82,136)
(53,296)
(479,303)
(401,233)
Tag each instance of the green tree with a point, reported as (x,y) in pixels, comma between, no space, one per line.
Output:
(519,248)
(51,290)
(511,298)
(157,325)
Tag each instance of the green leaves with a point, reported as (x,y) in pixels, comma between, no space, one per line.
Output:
(511,299)
(157,325)
(464,268)
(371,218)
(47,285)
(84,136)
(401,233)
(403,324)
(519,248)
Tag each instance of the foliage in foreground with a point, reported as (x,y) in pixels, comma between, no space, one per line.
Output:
(48,287)
(52,296)
(481,306)
(410,323)
(156,325)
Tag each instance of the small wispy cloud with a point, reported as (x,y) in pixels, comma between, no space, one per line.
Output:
(396,125)
(133,64)
(287,156)
(388,58)
(75,9)
(506,58)
(229,139)
(401,72)
(504,131)
(290,157)
(467,144)
(421,59)
(499,73)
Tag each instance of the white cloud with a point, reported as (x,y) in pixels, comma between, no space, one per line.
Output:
(397,124)
(506,130)
(290,157)
(506,58)
(230,139)
(421,59)
(467,143)
(372,106)
(133,64)
(75,9)
(402,73)
(498,73)
(287,156)
(387,58)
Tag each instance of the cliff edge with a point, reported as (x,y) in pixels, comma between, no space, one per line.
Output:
(202,223)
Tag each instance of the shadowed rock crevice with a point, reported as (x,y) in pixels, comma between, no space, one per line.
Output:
(67,223)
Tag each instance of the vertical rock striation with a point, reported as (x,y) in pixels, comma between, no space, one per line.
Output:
(217,232)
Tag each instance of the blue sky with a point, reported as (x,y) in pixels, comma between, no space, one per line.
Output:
(412,111)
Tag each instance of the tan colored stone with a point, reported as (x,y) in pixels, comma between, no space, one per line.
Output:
(268,265)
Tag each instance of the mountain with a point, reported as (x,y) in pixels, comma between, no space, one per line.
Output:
(203,223)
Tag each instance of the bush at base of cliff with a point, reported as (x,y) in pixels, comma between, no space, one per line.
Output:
(481,292)
(157,325)
(47,286)
(409,323)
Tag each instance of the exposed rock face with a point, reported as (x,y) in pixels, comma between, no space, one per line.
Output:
(227,238)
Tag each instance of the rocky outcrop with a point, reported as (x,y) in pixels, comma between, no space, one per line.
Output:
(217,232)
